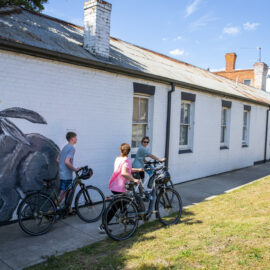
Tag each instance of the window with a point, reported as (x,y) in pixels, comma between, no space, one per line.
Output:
(247,82)
(224,117)
(186,126)
(246,120)
(140,122)
(225,124)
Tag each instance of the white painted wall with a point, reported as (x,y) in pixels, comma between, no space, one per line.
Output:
(207,158)
(98,107)
(268,81)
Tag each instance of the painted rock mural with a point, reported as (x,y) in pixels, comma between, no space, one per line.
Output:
(25,159)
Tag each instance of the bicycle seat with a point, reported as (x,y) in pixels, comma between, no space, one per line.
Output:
(49,180)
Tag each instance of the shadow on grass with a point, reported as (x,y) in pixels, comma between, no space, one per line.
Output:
(109,254)
(117,254)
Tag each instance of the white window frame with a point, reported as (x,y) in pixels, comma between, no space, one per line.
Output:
(149,122)
(225,143)
(245,142)
(189,145)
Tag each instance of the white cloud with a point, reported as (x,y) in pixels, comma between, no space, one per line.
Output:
(164,39)
(192,7)
(201,22)
(231,30)
(179,37)
(250,26)
(177,52)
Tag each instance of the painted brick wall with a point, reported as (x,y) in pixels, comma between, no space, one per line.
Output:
(98,106)
(207,158)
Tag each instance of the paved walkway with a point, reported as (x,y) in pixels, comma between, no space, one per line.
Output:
(18,250)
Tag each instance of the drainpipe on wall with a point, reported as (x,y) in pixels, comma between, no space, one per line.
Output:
(168,126)
(266,135)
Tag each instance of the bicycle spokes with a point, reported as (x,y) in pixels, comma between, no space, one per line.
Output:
(121,219)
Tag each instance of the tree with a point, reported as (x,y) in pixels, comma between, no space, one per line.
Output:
(36,5)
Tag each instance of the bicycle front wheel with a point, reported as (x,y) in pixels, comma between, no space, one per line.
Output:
(36,214)
(120,219)
(169,206)
(90,204)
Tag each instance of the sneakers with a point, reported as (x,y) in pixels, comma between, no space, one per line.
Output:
(101,229)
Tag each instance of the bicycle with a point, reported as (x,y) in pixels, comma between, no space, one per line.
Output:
(124,212)
(39,210)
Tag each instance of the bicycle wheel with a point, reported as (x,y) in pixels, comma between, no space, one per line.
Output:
(120,219)
(168,206)
(170,184)
(36,214)
(90,204)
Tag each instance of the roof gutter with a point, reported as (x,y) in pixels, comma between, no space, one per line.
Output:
(168,125)
(70,59)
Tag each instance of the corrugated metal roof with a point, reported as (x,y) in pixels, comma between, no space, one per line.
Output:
(31,28)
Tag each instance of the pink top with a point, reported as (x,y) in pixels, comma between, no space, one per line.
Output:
(117,181)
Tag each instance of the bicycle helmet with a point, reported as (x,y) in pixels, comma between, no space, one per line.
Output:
(86,173)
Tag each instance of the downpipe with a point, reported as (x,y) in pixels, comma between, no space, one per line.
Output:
(168,125)
(266,136)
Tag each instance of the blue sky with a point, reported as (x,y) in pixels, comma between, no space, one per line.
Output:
(198,32)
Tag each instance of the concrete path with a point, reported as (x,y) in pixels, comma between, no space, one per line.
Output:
(18,250)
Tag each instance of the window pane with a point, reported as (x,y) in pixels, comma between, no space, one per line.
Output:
(134,136)
(184,134)
(138,132)
(245,118)
(141,132)
(182,112)
(135,109)
(244,134)
(222,136)
(143,110)
(187,113)
(223,117)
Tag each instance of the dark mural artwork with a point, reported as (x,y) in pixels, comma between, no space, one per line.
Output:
(25,159)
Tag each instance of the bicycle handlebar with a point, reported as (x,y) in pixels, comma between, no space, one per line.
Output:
(82,168)
(155,162)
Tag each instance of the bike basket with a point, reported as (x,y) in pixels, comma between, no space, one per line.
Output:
(163,178)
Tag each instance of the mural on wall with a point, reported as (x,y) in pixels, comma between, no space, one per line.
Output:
(25,159)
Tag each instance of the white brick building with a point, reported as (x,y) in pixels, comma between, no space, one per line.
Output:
(53,68)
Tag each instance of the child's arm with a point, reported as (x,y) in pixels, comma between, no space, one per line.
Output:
(137,170)
(68,163)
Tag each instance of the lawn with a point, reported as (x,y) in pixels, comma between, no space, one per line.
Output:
(232,231)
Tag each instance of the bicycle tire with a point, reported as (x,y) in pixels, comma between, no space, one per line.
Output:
(170,184)
(133,220)
(36,206)
(97,203)
(159,205)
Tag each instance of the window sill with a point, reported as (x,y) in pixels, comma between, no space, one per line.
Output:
(184,151)
(224,147)
(244,145)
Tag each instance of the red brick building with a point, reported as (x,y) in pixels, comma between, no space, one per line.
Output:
(255,77)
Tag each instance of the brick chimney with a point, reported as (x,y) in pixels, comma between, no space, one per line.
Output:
(97,18)
(230,59)
(260,75)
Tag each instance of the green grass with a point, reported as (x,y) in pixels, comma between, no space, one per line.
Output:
(231,231)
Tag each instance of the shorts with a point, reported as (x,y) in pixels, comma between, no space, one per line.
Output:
(65,184)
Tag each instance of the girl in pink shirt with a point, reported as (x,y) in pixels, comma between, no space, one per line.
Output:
(122,174)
